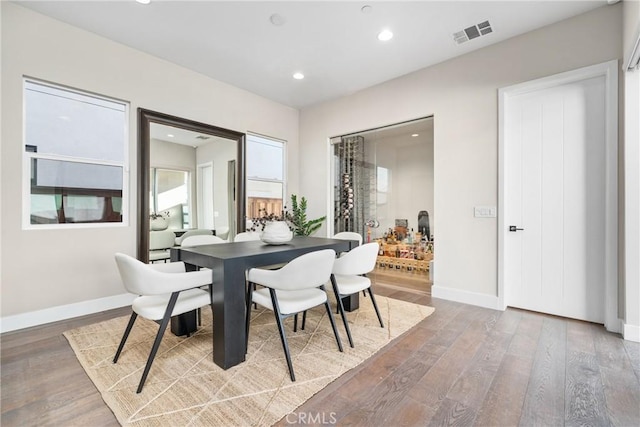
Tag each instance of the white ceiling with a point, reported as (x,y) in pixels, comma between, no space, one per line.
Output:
(181,136)
(332,42)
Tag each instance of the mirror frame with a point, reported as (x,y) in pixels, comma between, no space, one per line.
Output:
(145,118)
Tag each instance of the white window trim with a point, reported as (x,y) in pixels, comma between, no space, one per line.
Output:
(27,156)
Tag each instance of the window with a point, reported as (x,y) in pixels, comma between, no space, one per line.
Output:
(75,157)
(170,196)
(265,175)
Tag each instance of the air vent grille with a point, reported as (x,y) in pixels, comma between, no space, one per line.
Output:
(470,33)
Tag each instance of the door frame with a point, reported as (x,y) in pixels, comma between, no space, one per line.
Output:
(199,194)
(608,70)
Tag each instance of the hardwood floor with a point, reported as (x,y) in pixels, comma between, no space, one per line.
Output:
(416,282)
(463,365)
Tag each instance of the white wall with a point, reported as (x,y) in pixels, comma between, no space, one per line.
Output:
(631,240)
(461,94)
(49,268)
(411,181)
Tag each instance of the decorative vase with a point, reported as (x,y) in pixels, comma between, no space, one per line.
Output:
(158,224)
(276,233)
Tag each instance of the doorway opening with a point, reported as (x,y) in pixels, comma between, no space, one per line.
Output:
(383,184)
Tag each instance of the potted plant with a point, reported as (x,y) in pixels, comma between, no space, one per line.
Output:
(298,218)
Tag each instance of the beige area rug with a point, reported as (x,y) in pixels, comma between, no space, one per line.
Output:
(185,387)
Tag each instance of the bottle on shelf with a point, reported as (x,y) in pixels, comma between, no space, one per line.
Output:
(410,237)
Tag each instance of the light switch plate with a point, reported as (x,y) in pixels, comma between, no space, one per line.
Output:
(484,211)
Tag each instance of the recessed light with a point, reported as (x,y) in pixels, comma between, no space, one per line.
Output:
(415,134)
(298,76)
(143,1)
(385,35)
(277,19)
(170,135)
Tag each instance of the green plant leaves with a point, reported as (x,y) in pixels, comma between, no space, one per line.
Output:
(298,218)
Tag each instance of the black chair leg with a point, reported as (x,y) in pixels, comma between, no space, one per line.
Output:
(304,319)
(132,319)
(375,305)
(295,322)
(334,284)
(250,288)
(156,343)
(283,337)
(254,288)
(333,325)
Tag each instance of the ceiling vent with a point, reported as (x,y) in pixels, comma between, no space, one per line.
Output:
(482,29)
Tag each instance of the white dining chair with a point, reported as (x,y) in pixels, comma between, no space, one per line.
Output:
(164,290)
(189,233)
(159,244)
(200,240)
(349,235)
(348,278)
(246,236)
(295,288)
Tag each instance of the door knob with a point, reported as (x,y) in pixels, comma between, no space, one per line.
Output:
(514,228)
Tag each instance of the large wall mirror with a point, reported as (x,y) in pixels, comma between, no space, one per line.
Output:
(190,177)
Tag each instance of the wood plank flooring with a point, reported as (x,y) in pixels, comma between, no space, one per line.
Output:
(463,365)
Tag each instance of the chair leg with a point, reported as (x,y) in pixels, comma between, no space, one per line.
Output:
(211,300)
(295,322)
(341,309)
(333,325)
(250,288)
(304,319)
(132,319)
(283,337)
(375,305)
(156,343)
(254,288)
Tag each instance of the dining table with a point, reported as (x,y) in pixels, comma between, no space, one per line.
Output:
(228,264)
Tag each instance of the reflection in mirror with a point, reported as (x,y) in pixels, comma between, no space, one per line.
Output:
(194,182)
(189,179)
(265,176)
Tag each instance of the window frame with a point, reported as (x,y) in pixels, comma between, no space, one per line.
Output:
(29,156)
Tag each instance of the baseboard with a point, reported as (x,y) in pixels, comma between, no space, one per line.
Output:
(62,312)
(631,332)
(466,297)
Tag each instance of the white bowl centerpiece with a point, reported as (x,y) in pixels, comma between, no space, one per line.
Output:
(276,233)
(158,221)
(274,229)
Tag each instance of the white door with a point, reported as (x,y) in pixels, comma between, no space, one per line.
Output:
(555,210)
(205,196)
